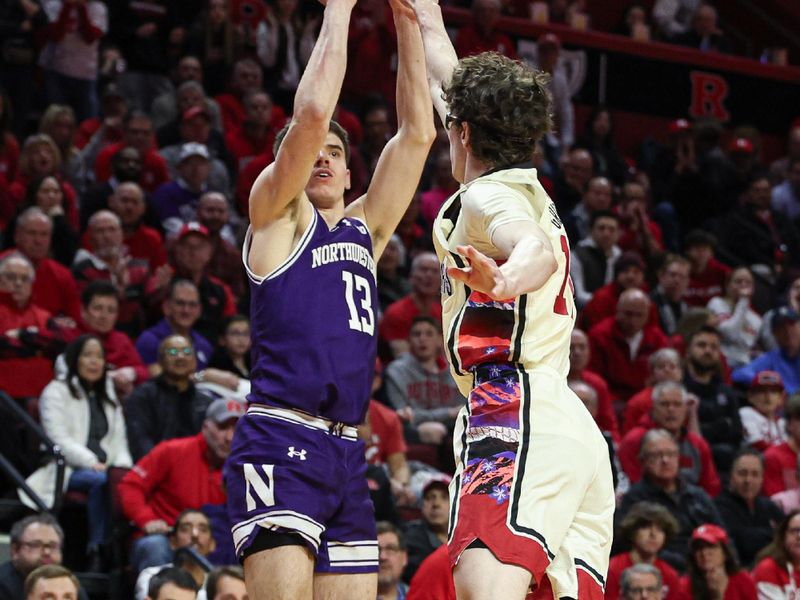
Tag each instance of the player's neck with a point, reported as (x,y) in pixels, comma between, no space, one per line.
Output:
(332,214)
(474,168)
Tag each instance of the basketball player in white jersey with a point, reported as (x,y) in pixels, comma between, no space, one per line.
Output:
(533,498)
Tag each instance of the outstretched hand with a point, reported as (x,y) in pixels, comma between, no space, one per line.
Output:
(403,8)
(481,274)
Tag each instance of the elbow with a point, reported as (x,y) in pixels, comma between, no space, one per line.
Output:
(312,114)
(419,134)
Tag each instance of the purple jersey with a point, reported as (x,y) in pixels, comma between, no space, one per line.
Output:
(314,324)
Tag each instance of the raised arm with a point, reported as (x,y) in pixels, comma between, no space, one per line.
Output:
(400,165)
(440,56)
(281,183)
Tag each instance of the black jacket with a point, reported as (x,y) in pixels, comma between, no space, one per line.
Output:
(749,531)
(156,411)
(718,411)
(421,541)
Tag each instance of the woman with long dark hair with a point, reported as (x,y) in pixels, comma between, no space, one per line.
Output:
(777,574)
(713,571)
(82,415)
(598,139)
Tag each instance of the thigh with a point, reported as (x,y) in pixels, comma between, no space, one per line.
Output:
(349,544)
(480,576)
(85,479)
(281,476)
(284,573)
(333,586)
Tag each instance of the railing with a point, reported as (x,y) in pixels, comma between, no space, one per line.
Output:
(50,448)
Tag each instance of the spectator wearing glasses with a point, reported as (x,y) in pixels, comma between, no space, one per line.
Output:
(170,405)
(641,581)
(392,559)
(36,540)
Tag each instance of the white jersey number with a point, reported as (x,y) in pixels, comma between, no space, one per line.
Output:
(353,284)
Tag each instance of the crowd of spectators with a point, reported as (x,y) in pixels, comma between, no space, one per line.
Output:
(130,135)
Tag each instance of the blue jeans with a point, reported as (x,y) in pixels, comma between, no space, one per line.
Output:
(151,551)
(93,483)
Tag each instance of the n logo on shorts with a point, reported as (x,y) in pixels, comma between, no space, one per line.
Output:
(265,490)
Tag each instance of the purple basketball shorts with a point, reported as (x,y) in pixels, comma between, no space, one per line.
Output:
(292,472)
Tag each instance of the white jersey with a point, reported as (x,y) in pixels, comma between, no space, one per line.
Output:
(531,330)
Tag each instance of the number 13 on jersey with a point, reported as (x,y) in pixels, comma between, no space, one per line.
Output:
(358,288)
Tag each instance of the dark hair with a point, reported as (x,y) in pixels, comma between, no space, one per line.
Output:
(233,319)
(387,527)
(135,114)
(33,189)
(705,329)
(215,575)
(697,577)
(49,572)
(98,287)
(426,319)
(608,140)
(177,577)
(6,116)
(333,128)
(747,451)
(188,511)
(698,237)
(177,282)
(791,410)
(71,355)
(506,103)
(18,528)
(602,214)
(644,514)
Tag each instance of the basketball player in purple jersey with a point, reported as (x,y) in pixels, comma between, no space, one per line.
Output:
(302,521)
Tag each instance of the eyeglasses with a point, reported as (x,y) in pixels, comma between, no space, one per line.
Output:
(40,545)
(390,549)
(185,303)
(793,531)
(186,351)
(667,454)
(16,277)
(450,119)
(652,591)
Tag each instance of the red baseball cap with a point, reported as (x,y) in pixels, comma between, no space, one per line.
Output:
(767,379)
(194,111)
(711,534)
(441,480)
(742,145)
(192,228)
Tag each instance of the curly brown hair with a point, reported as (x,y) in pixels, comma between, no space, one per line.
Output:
(506,103)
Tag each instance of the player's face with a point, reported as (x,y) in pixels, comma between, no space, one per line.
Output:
(649,539)
(330,176)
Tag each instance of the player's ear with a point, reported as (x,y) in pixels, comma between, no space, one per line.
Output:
(466,134)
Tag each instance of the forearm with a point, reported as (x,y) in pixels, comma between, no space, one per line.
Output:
(414,113)
(440,56)
(528,267)
(398,468)
(319,87)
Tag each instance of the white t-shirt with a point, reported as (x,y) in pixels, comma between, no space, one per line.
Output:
(73,56)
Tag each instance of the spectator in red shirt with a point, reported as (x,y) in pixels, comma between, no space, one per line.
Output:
(780,461)
(256,135)
(108,127)
(192,253)
(645,530)
(434,578)
(481,35)
(638,232)
(138,133)
(707,275)
(628,274)
(671,412)
(128,203)
(213,212)
(99,312)
(621,345)
(177,474)
(579,355)
(423,300)
(713,570)
(246,78)
(54,289)
(663,365)
(26,331)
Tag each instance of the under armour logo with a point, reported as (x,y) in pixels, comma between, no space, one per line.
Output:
(301,454)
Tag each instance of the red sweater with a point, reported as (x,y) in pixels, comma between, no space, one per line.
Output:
(397,319)
(704,286)
(19,189)
(120,351)
(54,289)
(387,434)
(620,562)
(772,580)
(611,357)
(434,578)
(25,376)
(606,419)
(636,408)
(147,243)
(740,587)
(780,469)
(173,476)
(604,304)
(154,168)
(695,456)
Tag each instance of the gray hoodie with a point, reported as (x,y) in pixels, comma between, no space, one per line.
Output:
(432,396)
